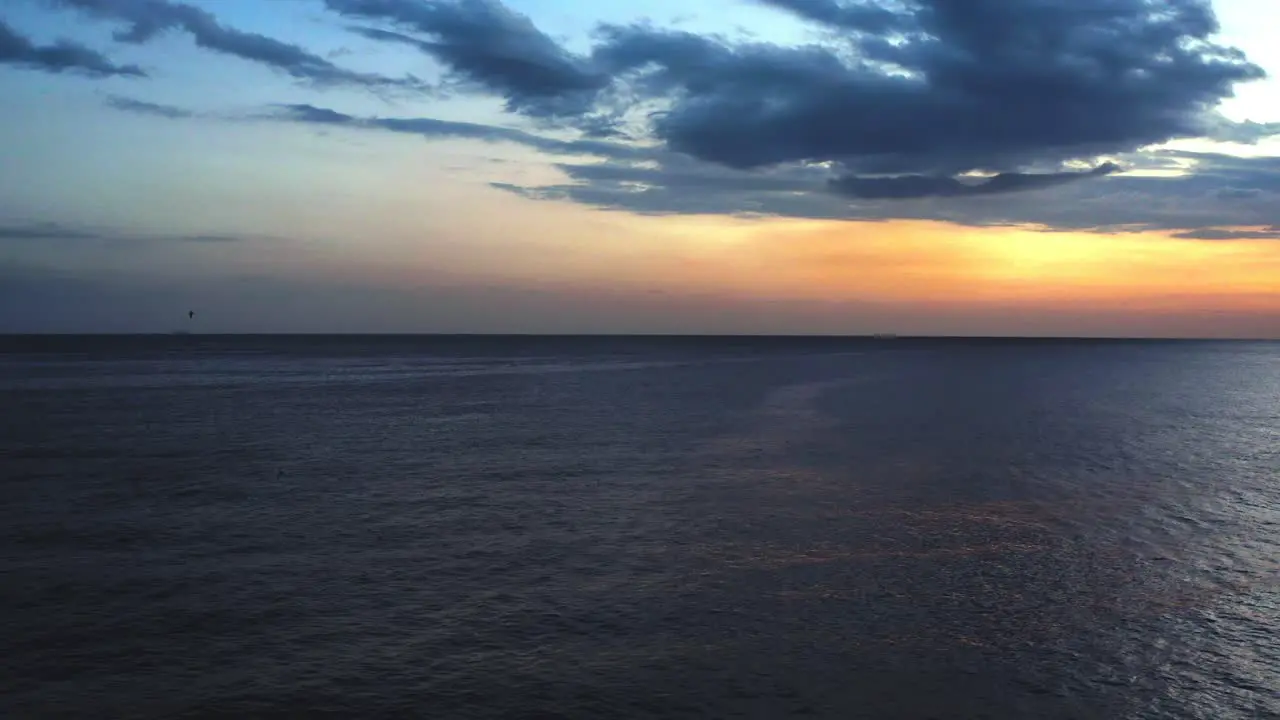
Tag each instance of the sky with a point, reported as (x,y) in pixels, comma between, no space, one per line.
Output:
(921,167)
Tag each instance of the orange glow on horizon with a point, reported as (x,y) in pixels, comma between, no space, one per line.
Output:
(715,273)
(937,263)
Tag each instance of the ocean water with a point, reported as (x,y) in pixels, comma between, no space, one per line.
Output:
(638,527)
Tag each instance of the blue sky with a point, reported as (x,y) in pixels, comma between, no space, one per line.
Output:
(144,175)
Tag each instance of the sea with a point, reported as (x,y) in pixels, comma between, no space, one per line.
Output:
(638,527)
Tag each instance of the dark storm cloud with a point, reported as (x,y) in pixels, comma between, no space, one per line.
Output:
(869,17)
(145,19)
(485,44)
(62,56)
(983,85)
(917,87)
(888,117)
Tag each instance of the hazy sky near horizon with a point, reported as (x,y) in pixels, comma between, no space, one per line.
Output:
(1039,167)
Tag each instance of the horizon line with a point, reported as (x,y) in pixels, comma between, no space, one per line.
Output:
(604,335)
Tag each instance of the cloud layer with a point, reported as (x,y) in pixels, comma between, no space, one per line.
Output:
(941,109)
(144,20)
(63,56)
(919,186)
(1215,196)
(54,232)
(892,115)
(487,46)
(432,128)
(921,87)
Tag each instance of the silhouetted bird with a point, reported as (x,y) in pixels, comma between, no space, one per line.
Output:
(191,314)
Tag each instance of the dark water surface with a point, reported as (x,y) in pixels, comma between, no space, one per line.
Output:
(615,528)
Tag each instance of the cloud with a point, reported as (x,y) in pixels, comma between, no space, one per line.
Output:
(63,56)
(899,110)
(919,186)
(1231,193)
(433,128)
(419,126)
(488,46)
(148,108)
(992,86)
(147,19)
(922,87)
(861,17)
(45,231)
(1230,175)
(1245,133)
(1194,202)
(1268,233)
(215,239)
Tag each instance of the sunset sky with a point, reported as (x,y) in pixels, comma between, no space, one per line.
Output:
(954,167)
